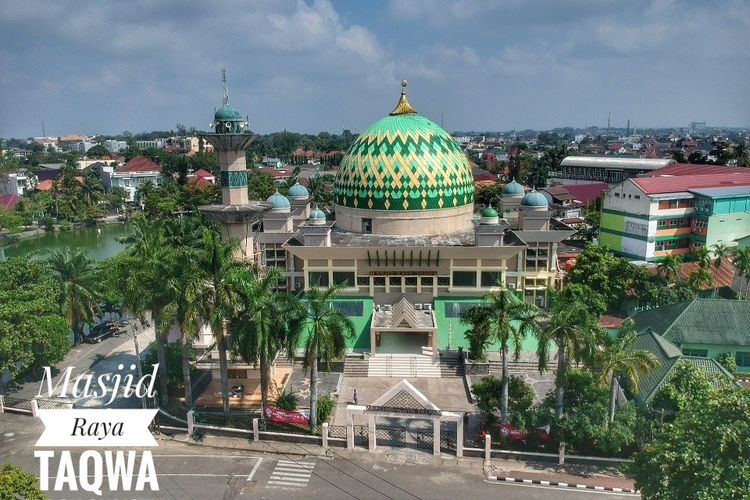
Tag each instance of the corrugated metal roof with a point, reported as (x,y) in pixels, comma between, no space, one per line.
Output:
(723,192)
(677,169)
(615,163)
(656,185)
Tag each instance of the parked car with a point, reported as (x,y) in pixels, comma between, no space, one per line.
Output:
(100,332)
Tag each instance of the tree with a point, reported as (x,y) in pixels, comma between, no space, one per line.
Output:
(704,453)
(479,335)
(573,330)
(701,279)
(267,323)
(488,392)
(80,293)
(688,384)
(97,151)
(328,332)
(670,266)
(742,266)
(115,198)
(509,321)
(10,221)
(703,255)
(260,186)
(720,252)
(619,357)
(16,483)
(574,293)
(741,153)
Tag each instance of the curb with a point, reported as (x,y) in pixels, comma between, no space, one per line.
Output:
(228,448)
(542,482)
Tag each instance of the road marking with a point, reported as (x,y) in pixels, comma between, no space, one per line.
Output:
(290,475)
(252,472)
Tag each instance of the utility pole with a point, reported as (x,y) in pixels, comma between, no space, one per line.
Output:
(609,119)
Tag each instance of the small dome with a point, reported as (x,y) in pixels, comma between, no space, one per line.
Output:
(535,199)
(297,192)
(279,202)
(317,217)
(489,212)
(227,113)
(489,216)
(513,189)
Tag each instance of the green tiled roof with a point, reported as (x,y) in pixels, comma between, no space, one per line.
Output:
(700,321)
(668,355)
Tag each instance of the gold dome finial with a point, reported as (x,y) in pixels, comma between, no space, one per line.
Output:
(403,107)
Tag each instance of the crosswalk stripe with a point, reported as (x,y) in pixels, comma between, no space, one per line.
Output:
(289,462)
(284,483)
(293,469)
(292,474)
(293,479)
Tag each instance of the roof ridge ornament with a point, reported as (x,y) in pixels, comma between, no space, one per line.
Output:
(403,107)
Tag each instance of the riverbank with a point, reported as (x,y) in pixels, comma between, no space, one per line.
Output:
(10,238)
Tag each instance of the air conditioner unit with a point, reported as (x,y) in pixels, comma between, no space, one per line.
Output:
(377,307)
(387,307)
(428,307)
(511,286)
(418,307)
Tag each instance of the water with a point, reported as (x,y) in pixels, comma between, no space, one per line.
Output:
(99,242)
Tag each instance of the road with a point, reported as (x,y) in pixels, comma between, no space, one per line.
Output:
(196,472)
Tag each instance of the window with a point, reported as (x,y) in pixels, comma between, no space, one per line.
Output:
(345,278)
(350,307)
(427,280)
(366,226)
(456,309)
(637,197)
(700,353)
(363,281)
(465,278)
(617,195)
(490,278)
(394,281)
(379,281)
(742,358)
(411,281)
(318,279)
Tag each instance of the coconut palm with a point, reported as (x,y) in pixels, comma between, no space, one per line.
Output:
(267,323)
(509,321)
(701,279)
(720,252)
(573,330)
(619,357)
(328,332)
(703,255)
(479,335)
(669,267)
(80,287)
(742,266)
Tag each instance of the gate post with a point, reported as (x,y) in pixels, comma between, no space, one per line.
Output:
(460,437)
(372,441)
(487,448)
(324,432)
(2,403)
(34,408)
(256,433)
(190,422)
(436,436)
(561,452)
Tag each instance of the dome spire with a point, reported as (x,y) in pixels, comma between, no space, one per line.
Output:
(403,107)
(225,100)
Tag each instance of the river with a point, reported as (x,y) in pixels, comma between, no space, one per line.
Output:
(99,242)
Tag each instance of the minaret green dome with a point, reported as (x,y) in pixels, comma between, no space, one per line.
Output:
(227,113)
(404,162)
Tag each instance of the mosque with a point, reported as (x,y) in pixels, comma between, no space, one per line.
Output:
(406,239)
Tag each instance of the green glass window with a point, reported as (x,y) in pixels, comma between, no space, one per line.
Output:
(465,279)
(344,278)
(350,307)
(743,359)
(700,353)
(455,309)
(318,279)
(490,278)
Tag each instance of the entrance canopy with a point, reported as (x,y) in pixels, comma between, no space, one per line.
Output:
(403,319)
(403,400)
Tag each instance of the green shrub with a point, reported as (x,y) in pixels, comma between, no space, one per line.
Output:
(729,362)
(16,483)
(325,407)
(287,401)
(174,364)
(488,392)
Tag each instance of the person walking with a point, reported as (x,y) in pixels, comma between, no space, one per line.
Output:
(355,396)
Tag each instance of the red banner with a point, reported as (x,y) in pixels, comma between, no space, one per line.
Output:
(278,416)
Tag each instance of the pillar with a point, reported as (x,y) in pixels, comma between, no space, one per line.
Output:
(34,408)
(256,431)
(371,432)
(436,436)
(460,437)
(349,431)
(324,432)
(487,449)
(190,422)
(2,404)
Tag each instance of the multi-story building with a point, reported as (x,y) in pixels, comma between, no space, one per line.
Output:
(649,218)
(132,175)
(19,182)
(585,169)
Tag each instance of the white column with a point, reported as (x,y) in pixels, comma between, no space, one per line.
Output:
(436,436)
(460,437)
(561,456)
(487,448)
(190,422)
(349,431)
(371,432)
(34,408)
(256,431)
(325,435)
(2,403)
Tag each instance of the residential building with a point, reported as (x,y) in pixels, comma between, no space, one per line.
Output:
(132,175)
(152,144)
(704,328)
(19,182)
(114,146)
(83,146)
(585,169)
(651,217)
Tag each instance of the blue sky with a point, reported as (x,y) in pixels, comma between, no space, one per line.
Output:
(109,66)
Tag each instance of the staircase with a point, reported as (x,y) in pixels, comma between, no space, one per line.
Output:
(355,366)
(451,366)
(403,366)
(516,367)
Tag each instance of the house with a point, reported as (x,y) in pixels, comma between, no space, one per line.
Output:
(202,177)
(131,175)
(9,201)
(704,328)
(668,356)
(19,182)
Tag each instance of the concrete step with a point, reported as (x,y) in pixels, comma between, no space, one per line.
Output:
(403,365)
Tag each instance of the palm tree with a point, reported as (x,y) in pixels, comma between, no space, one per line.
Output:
(742,265)
(618,357)
(703,255)
(80,287)
(509,321)
(267,323)
(328,332)
(573,330)
(479,335)
(670,266)
(720,252)
(701,279)
(219,295)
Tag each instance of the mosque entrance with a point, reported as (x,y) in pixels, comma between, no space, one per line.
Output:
(405,342)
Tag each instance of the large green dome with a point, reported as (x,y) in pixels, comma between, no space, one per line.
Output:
(404,162)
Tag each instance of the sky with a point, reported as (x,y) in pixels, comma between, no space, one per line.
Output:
(108,66)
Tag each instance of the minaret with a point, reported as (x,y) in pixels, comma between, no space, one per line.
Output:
(237,213)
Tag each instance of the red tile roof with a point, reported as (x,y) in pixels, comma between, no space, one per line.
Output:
(140,164)
(586,193)
(608,321)
(44,185)
(678,184)
(276,174)
(676,169)
(9,201)
(203,173)
(722,277)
